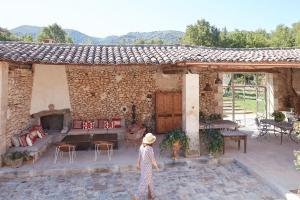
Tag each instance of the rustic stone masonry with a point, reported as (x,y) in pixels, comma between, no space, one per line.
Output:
(283,93)
(104,92)
(210,102)
(20,79)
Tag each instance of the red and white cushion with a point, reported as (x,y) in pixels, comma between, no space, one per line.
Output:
(39,130)
(88,125)
(116,122)
(77,124)
(108,124)
(101,123)
(22,140)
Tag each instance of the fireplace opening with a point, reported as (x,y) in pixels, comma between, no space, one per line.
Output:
(52,123)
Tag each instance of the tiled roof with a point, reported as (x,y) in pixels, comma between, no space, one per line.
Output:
(138,54)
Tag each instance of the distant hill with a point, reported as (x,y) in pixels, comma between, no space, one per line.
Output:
(168,37)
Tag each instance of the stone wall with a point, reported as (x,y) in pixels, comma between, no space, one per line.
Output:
(20,80)
(104,92)
(210,102)
(283,89)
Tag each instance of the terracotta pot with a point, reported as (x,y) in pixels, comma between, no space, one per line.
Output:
(175,149)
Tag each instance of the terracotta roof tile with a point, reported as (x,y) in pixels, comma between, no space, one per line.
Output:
(138,54)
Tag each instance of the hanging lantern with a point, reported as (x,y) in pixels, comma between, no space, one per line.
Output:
(218,81)
(207,88)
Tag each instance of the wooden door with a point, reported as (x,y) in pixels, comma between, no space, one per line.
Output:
(168,111)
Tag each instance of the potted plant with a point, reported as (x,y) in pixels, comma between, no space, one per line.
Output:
(14,159)
(214,117)
(297,164)
(175,139)
(215,141)
(278,116)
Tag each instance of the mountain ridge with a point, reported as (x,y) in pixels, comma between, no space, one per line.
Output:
(166,36)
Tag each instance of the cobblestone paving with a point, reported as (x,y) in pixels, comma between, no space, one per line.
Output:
(205,182)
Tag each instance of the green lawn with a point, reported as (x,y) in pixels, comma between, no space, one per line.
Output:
(247,104)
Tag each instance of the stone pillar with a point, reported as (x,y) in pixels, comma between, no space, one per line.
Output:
(190,111)
(272,102)
(3,106)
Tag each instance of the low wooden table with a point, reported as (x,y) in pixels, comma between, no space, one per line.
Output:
(235,135)
(84,141)
(103,145)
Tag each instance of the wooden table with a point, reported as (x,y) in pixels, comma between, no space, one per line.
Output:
(103,145)
(84,141)
(235,135)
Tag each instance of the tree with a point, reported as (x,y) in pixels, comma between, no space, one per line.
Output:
(282,37)
(26,38)
(5,35)
(258,38)
(237,39)
(201,33)
(54,32)
(296,33)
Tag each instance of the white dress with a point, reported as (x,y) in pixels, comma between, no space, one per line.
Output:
(146,156)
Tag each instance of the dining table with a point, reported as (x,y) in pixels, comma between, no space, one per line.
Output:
(285,128)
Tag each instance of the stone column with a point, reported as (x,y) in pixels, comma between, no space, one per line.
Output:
(272,102)
(3,106)
(190,111)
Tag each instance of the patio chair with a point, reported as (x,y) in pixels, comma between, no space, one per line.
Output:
(134,134)
(263,129)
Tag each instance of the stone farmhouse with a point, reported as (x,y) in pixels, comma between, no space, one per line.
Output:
(101,82)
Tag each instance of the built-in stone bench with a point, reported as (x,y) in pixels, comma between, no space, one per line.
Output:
(37,149)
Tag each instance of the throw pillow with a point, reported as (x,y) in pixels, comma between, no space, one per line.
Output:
(22,140)
(88,125)
(108,124)
(39,129)
(101,123)
(116,122)
(39,134)
(28,140)
(33,135)
(15,141)
(77,124)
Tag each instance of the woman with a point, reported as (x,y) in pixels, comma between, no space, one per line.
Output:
(144,163)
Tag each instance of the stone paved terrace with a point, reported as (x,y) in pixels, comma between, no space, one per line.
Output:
(269,159)
(266,160)
(181,181)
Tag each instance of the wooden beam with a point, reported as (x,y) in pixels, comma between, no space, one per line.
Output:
(197,69)
(257,64)
(174,70)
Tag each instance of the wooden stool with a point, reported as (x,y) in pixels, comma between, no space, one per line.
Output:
(103,145)
(63,147)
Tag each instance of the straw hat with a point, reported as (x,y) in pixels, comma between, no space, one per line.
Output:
(149,138)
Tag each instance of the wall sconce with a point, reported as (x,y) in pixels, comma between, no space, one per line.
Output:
(207,88)
(218,81)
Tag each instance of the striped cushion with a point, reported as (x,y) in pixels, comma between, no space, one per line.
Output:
(77,124)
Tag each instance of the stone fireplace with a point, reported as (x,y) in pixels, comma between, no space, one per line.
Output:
(52,123)
(54,120)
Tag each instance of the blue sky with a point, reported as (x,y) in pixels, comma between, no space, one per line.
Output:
(117,17)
